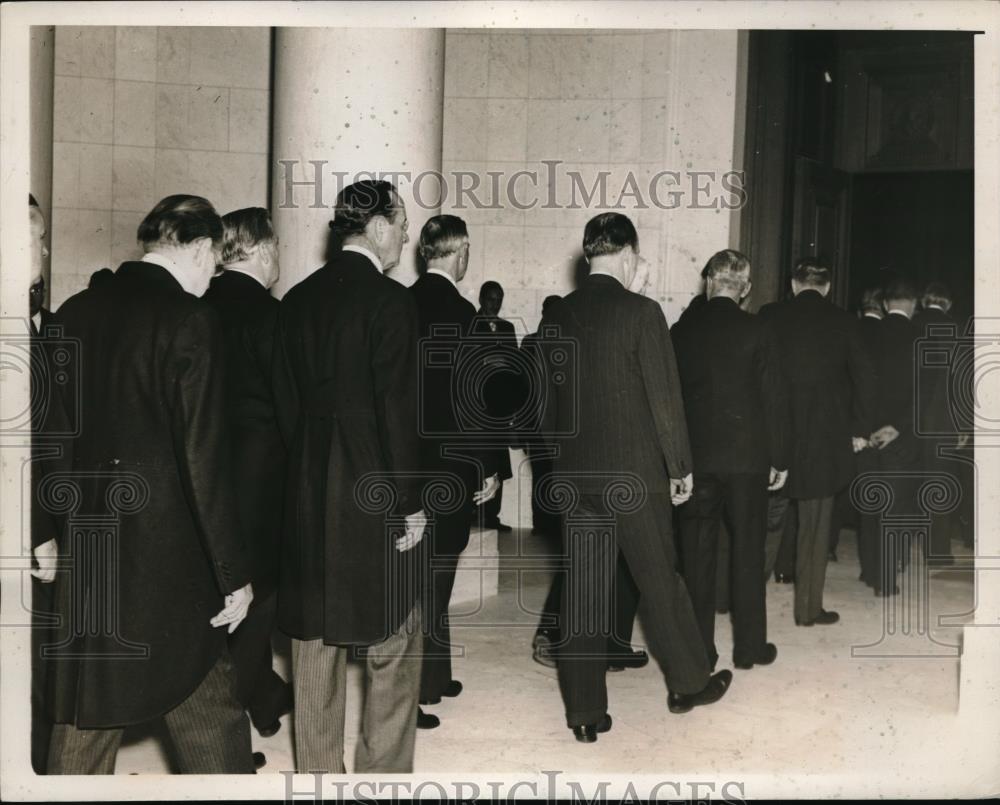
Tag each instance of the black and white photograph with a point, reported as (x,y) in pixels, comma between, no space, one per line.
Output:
(470,400)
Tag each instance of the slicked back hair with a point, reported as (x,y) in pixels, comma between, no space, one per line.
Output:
(358,203)
(244,229)
(441,236)
(728,269)
(609,233)
(871,300)
(180,219)
(812,273)
(937,293)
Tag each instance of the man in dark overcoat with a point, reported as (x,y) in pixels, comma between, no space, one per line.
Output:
(736,404)
(158,560)
(831,392)
(452,445)
(249,316)
(346,391)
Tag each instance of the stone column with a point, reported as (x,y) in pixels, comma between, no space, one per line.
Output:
(41,82)
(348,102)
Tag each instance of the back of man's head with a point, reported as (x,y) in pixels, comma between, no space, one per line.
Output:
(358,203)
(243,230)
(811,273)
(178,221)
(898,290)
(871,300)
(727,273)
(442,236)
(490,292)
(608,233)
(548,302)
(937,294)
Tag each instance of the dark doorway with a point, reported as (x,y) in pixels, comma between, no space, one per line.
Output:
(859,152)
(917,224)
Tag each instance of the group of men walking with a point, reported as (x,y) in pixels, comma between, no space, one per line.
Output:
(316,465)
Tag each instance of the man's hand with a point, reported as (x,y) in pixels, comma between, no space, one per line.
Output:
(680,489)
(777,479)
(46,555)
(415,525)
(235,610)
(859,443)
(883,436)
(489,490)
(963,440)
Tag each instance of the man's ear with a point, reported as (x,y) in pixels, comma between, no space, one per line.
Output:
(746,290)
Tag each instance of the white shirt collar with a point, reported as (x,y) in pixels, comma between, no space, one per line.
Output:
(873,316)
(444,274)
(165,262)
(247,273)
(935,307)
(898,313)
(351,247)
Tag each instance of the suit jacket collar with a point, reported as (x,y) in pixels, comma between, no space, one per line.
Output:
(808,296)
(721,302)
(147,273)
(239,283)
(440,284)
(602,281)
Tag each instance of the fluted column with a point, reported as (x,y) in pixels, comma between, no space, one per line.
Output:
(41,78)
(348,102)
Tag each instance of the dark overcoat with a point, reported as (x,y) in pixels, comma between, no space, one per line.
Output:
(831,385)
(155,542)
(249,316)
(735,394)
(346,392)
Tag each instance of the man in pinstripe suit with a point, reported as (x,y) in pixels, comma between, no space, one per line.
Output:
(615,411)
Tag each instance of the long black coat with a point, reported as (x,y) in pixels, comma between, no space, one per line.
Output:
(934,326)
(831,391)
(503,387)
(451,424)
(346,392)
(735,395)
(615,405)
(154,452)
(249,316)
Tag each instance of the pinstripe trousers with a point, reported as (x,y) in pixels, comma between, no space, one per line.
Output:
(209,730)
(593,536)
(389,712)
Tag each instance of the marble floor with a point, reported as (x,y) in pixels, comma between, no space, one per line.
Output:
(865,706)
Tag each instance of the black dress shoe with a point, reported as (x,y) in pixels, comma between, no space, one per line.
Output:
(832,556)
(783,578)
(631,659)
(722,610)
(427,721)
(259,760)
(452,689)
(503,528)
(767,656)
(587,733)
(823,619)
(270,729)
(716,688)
(880,593)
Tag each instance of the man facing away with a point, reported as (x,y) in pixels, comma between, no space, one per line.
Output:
(154,447)
(737,414)
(502,386)
(898,448)
(870,323)
(830,381)
(618,404)
(346,393)
(249,315)
(449,450)
(935,322)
